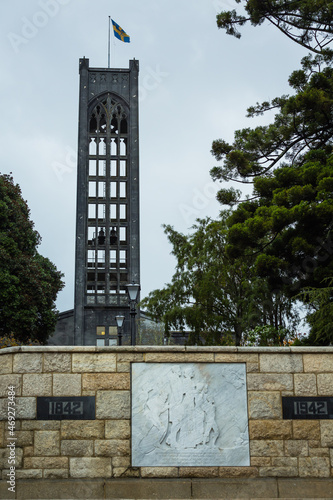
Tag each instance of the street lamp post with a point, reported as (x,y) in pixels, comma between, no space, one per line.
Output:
(120,322)
(133,292)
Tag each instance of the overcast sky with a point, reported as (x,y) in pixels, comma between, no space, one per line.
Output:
(195,86)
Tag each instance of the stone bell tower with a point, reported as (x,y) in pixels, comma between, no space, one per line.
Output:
(107,225)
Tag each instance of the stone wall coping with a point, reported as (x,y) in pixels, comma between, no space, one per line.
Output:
(165,349)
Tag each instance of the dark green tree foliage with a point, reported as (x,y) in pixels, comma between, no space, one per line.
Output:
(212,298)
(320,316)
(29,283)
(306,22)
(286,226)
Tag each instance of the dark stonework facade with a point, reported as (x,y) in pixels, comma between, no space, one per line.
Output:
(107,225)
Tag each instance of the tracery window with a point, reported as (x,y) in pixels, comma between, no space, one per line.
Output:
(107,208)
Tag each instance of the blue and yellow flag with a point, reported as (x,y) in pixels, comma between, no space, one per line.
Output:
(119,32)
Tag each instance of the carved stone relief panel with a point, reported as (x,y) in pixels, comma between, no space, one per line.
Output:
(189,414)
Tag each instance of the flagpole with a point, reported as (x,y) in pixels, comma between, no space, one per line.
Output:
(109,55)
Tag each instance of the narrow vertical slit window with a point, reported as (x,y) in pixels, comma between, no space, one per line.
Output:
(113,147)
(122,189)
(91,258)
(122,235)
(92,189)
(113,258)
(102,147)
(122,168)
(92,146)
(113,211)
(113,168)
(91,211)
(101,189)
(92,167)
(113,190)
(101,258)
(101,168)
(122,258)
(101,211)
(122,212)
(122,147)
(91,235)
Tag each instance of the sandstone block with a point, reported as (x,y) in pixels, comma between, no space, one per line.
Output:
(37,384)
(238,472)
(77,448)
(125,472)
(49,488)
(29,474)
(306,429)
(47,443)
(117,429)
(306,488)
(252,367)
(57,362)
(260,461)
(66,384)
(234,488)
(94,362)
(6,363)
(2,434)
(232,357)
(318,362)
(270,429)
(264,405)
(281,363)
(112,447)
(200,357)
(269,382)
(90,467)
(314,467)
(326,429)
(26,408)
(113,404)
(55,473)
(121,461)
(297,448)
(7,453)
(101,381)
(325,384)
(10,380)
(46,463)
(85,429)
(159,471)
(28,362)
(284,461)
(199,472)
(305,384)
(28,451)
(23,438)
(41,425)
(149,488)
(129,357)
(278,471)
(266,448)
(319,452)
(167,357)
(123,367)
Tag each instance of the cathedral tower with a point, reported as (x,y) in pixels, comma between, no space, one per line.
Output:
(107,223)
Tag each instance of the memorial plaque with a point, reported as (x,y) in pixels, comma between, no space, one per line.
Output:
(307,408)
(189,414)
(66,408)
